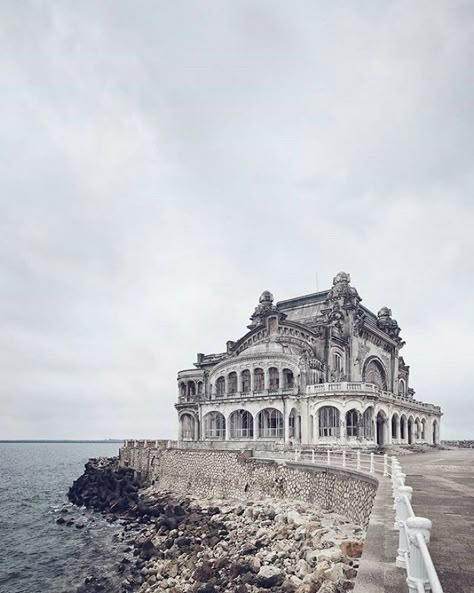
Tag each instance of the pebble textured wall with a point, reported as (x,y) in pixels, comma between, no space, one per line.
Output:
(236,474)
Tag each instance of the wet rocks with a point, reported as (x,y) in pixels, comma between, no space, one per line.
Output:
(104,486)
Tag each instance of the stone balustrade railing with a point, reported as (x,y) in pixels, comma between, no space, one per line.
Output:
(329,389)
(414,532)
(149,443)
(321,390)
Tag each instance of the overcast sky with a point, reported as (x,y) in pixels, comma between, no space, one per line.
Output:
(162,163)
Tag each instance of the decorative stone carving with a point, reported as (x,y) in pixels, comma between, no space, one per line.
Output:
(264,308)
(362,352)
(341,290)
(387,324)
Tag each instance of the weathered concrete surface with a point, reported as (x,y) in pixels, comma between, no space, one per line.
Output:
(443,491)
(377,572)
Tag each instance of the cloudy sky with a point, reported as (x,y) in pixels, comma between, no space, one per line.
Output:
(162,163)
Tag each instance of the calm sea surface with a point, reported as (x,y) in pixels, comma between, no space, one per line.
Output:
(36,554)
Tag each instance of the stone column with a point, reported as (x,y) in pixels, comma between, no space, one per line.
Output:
(239,381)
(304,424)
(342,428)
(252,379)
(286,419)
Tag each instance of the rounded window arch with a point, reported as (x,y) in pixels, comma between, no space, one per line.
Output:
(220,387)
(288,379)
(246,381)
(270,424)
(329,422)
(187,422)
(423,429)
(395,426)
(200,388)
(374,373)
(352,423)
(214,426)
(274,378)
(182,389)
(403,427)
(191,388)
(259,379)
(232,383)
(241,425)
(402,387)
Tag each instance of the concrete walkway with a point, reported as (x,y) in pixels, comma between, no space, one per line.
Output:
(443,491)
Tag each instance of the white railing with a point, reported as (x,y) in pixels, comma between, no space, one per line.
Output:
(414,532)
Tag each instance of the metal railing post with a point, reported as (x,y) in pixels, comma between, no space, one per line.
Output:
(312,456)
(329,457)
(358,460)
(344,458)
(372,467)
(417,527)
(403,514)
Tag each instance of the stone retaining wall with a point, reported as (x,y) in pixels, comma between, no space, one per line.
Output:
(236,474)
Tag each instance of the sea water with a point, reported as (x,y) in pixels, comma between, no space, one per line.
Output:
(36,554)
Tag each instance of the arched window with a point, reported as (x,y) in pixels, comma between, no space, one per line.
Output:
(270,424)
(241,425)
(182,389)
(292,420)
(402,388)
(288,379)
(232,383)
(214,426)
(259,380)
(187,427)
(337,366)
(329,422)
(246,381)
(423,429)
(191,388)
(200,388)
(352,423)
(368,424)
(435,432)
(375,373)
(395,426)
(220,387)
(411,430)
(274,375)
(403,427)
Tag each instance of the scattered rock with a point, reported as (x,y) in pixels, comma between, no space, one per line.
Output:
(353,549)
(269,576)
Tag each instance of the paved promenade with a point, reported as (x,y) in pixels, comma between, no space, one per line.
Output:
(443,491)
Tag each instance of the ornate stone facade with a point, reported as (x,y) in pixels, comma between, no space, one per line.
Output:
(320,369)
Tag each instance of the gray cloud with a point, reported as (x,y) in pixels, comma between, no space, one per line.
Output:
(163,163)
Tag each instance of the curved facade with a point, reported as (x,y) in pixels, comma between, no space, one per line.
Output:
(314,370)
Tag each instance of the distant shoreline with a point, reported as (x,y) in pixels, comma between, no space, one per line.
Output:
(65,441)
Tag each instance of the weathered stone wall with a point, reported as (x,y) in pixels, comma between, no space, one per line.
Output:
(236,474)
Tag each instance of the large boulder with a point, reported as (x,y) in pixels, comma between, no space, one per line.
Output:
(269,576)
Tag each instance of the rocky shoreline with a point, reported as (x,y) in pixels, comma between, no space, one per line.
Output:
(188,545)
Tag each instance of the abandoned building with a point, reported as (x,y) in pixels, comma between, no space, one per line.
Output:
(319,369)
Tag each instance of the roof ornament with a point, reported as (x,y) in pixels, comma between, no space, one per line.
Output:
(341,291)
(387,324)
(265,307)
